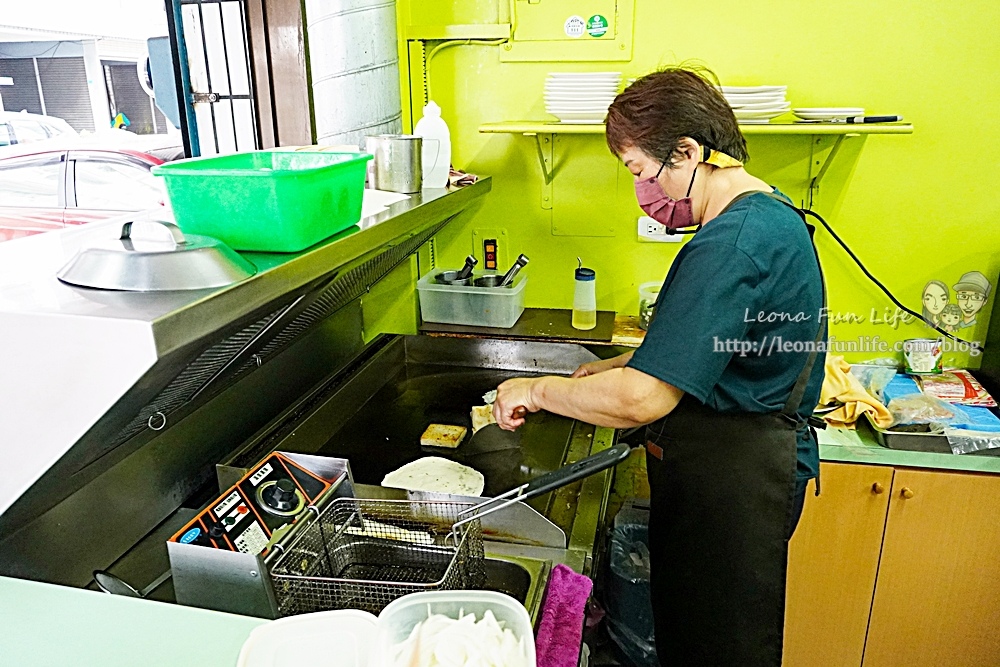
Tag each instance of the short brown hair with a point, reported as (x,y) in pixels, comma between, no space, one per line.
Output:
(658,110)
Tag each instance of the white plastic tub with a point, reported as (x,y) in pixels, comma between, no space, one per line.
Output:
(352,638)
(341,638)
(472,306)
(398,619)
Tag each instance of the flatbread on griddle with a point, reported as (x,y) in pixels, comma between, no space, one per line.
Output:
(437,475)
(482,415)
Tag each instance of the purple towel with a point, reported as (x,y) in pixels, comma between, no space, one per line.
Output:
(560,632)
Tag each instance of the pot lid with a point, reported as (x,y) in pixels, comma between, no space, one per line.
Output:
(152,265)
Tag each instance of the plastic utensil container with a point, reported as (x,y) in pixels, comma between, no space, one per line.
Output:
(469,305)
(398,619)
(270,201)
(648,294)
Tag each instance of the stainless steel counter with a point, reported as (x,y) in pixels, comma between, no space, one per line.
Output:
(28,267)
(117,406)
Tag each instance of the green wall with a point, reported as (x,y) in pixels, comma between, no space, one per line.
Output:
(914,208)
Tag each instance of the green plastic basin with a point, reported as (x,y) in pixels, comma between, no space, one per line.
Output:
(267,201)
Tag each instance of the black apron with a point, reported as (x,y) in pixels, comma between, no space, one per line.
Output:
(722,490)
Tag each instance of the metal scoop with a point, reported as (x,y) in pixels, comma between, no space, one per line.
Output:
(508,278)
(470,264)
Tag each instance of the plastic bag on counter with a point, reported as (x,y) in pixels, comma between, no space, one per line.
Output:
(963,441)
(973,418)
(873,377)
(891,362)
(921,409)
(957,386)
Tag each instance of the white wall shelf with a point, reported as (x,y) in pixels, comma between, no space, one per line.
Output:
(544,133)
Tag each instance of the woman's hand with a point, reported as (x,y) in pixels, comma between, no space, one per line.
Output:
(515,398)
(602,365)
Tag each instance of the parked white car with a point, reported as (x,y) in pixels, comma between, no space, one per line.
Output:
(26,128)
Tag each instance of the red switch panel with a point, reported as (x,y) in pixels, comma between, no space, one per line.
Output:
(490,254)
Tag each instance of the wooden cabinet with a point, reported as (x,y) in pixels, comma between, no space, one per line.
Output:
(895,568)
(832,563)
(937,601)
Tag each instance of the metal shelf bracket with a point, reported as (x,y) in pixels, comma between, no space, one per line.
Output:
(818,164)
(545,145)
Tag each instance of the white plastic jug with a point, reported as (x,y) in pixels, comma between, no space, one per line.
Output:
(437,146)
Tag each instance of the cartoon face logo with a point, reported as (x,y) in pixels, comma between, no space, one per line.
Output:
(970,302)
(935,299)
(951,315)
(971,292)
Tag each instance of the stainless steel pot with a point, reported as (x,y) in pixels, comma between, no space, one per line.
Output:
(398,165)
(151,265)
(451,278)
(488,281)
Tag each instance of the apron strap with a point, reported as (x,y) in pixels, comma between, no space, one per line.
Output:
(791,408)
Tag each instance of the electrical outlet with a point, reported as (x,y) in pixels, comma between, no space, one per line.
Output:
(652,231)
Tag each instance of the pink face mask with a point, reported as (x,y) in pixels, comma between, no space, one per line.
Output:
(672,213)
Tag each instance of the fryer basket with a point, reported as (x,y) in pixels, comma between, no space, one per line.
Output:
(363,554)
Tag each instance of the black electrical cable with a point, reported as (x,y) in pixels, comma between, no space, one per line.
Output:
(883,287)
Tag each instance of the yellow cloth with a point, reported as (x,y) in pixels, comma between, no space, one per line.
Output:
(840,386)
(720,159)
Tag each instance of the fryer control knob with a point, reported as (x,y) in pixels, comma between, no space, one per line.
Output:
(281,496)
(216,530)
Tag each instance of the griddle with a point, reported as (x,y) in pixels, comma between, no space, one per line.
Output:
(374,417)
(385,434)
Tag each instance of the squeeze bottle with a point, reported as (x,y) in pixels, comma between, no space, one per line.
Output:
(584,298)
(437,146)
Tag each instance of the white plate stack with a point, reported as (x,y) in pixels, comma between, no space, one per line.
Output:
(817,115)
(756,104)
(581,98)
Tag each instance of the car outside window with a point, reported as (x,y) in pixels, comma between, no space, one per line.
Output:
(4,134)
(111,185)
(56,130)
(27,131)
(31,183)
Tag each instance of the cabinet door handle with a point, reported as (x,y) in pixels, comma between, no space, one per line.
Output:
(877,488)
(906,493)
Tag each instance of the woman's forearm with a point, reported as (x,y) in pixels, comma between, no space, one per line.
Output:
(622,359)
(618,398)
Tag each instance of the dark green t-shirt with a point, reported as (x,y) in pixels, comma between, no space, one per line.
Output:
(748,279)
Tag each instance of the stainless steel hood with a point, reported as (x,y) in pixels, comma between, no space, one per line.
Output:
(115,407)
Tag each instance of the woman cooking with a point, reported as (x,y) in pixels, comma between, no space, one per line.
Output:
(724,380)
